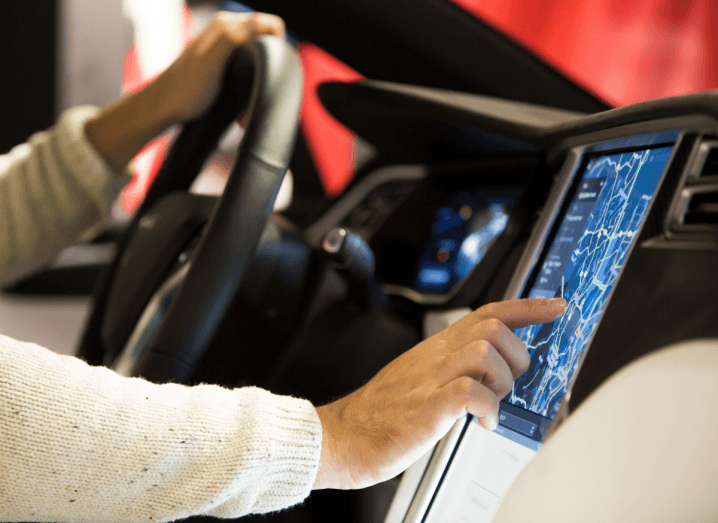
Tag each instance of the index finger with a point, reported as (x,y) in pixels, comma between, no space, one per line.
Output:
(515,314)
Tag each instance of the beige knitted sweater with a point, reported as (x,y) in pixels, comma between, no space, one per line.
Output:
(80,443)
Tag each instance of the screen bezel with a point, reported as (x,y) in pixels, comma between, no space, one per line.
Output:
(434,468)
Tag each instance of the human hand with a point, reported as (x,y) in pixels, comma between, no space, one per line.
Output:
(185,90)
(376,432)
(192,82)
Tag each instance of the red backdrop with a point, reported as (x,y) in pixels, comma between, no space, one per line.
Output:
(624,51)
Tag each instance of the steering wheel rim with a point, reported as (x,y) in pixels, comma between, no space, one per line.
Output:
(268,74)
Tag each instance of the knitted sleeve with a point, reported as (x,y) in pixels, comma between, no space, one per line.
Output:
(81,443)
(52,190)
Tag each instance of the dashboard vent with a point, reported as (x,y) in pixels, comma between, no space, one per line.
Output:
(692,220)
(702,208)
(710,164)
(699,197)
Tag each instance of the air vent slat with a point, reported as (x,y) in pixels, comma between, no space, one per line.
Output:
(702,209)
(691,221)
(710,167)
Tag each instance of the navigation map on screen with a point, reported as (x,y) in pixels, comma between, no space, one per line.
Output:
(582,265)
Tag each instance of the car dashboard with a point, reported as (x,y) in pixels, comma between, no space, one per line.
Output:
(508,212)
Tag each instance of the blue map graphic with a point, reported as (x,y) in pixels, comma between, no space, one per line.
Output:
(582,265)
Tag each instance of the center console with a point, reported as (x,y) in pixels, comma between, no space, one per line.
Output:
(592,222)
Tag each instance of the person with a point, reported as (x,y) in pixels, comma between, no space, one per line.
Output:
(81,443)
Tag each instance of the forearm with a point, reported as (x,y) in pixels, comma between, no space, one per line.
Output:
(72,173)
(121,130)
(80,443)
(52,194)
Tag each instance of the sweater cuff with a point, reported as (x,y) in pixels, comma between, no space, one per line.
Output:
(91,171)
(291,432)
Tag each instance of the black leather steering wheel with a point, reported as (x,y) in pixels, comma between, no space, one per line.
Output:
(267,74)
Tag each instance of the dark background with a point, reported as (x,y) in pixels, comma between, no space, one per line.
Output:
(27,68)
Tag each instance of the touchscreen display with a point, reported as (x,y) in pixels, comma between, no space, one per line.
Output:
(582,265)
(581,261)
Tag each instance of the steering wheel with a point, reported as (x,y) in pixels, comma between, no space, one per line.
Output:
(267,75)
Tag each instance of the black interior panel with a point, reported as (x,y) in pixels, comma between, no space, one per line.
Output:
(431,43)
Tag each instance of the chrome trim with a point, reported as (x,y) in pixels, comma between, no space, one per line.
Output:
(334,241)
(407,489)
(434,472)
(549,214)
(148,323)
(316,232)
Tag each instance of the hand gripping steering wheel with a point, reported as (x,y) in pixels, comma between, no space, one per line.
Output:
(267,73)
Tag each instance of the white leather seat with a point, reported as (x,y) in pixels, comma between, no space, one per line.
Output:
(642,448)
